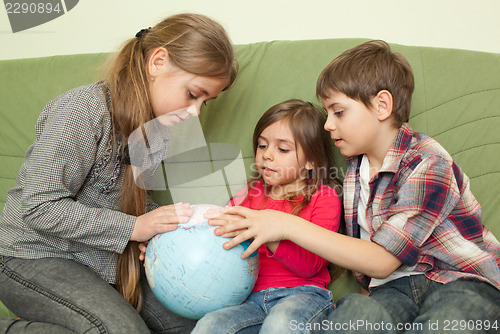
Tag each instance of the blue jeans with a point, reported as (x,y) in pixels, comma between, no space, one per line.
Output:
(416,304)
(274,310)
(54,295)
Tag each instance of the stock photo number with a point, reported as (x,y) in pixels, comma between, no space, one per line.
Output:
(32,8)
(31,13)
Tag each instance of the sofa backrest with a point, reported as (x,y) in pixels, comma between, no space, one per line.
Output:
(456,101)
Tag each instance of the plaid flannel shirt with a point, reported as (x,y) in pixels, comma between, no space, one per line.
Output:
(421,210)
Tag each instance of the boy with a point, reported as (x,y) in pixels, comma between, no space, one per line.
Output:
(404,193)
(414,234)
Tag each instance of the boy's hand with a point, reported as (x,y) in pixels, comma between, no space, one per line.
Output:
(262,225)
(217,217)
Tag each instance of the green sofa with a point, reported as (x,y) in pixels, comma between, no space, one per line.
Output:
(456,101)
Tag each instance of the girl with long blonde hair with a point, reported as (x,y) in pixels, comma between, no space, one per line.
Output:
(70,229)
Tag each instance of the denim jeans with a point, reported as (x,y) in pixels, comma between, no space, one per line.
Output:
(416,304)
(54,295)
(274,310)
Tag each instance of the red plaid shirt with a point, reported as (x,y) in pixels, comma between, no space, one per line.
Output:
(421,210)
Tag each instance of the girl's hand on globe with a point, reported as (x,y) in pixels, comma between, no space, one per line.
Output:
(143,247)
(263,226)
(161,220)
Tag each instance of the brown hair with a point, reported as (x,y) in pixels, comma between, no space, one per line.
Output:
(306,124)
(363,71)
(196,44)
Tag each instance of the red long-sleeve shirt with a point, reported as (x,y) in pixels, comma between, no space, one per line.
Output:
(292,265)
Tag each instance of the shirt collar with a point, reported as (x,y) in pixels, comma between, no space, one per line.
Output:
(398,147)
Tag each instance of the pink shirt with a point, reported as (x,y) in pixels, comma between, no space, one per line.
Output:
(292,265)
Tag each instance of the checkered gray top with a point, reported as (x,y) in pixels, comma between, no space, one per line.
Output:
(65,202)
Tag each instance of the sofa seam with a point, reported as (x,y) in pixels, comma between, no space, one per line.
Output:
(463,95)
(12,156)
(484,174)
(466,123)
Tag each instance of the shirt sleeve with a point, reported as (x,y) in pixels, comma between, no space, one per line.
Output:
(325,212)
(68,133)
(422,202)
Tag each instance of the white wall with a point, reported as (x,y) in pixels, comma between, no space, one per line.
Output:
(101,25)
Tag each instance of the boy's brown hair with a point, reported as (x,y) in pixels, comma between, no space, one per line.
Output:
(363,71)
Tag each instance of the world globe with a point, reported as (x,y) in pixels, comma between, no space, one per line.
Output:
(191,274)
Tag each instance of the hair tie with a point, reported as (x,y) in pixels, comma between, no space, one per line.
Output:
(142,32)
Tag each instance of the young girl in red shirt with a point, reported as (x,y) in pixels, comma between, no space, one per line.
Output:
(294,166)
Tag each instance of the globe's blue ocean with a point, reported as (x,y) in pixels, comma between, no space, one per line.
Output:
(190,272)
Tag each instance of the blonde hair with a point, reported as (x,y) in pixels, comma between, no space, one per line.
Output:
(196,44)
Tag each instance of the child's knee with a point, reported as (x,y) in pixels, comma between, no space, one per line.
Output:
(357,306)
(280,322)
(296,313)
(207,323)
(463,300)
(213,322)
(355,301)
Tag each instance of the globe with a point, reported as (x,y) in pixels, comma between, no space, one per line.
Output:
(191,274)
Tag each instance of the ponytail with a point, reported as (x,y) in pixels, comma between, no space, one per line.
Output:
(196,44)
(128,267)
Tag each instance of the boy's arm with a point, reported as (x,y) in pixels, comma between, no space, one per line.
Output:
(355,254)
(358,255)
(425,200)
